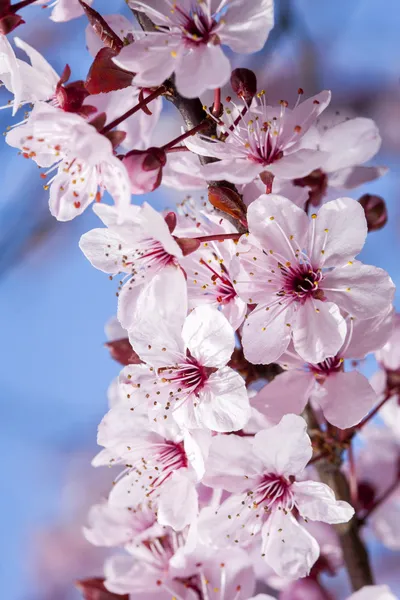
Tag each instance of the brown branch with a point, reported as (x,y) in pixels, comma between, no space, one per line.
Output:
(355,554)
(192,112)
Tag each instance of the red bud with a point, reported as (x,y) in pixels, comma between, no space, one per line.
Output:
(100,26)
(170,220)
(71,96)
(228,201)
(145,169)
(375,211)
(116,137)
(99,121)
(244,84)
(93,589)
(105,76)
(122,351)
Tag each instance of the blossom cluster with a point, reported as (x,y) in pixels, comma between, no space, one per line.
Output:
(239,319)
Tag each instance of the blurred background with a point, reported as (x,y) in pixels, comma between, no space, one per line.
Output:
(53,305)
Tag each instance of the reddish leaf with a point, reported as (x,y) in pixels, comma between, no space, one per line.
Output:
(122,351)
(5,7)
(116,137)
(9,22)
(93,589)
(188,245)
(105,76)
(99,121)
(102,28)
(228,201)
(65,75)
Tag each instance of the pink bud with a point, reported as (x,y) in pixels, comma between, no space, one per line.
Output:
(305,589)
(9,22)
(375,211)
(145,169)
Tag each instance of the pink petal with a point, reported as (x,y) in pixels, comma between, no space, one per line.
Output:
(287,393)
(297,164)
(319,331)
(353,177)
(209,336)
(178,503)
(369,335)
(288,548)
(236,170)
(361,290)
(193,73)
(289,458)
(266,334)
(350,143)
(316,501)
(258,18)
(337,233)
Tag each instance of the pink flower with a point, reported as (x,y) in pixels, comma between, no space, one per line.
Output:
(344,397)
(144,168)
(261,477)
(301,274)
(187,357)
(189,39)
(266,138)
(163,465)
(65,10)
(162,568)
(28,82)
(114,526)
(142,248)
(373,592)
(389,355)
(83,158)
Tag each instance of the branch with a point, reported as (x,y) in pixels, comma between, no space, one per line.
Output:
(355,554)
(192,112)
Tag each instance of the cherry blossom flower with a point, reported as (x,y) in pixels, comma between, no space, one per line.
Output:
(162,566)
(345,147)
(142,248)
(189,379)
(64,10)
(83,158)
(373,592)
(344,397)
(261,477)
(265,138)
(301,273)
(163,465)
(189,39)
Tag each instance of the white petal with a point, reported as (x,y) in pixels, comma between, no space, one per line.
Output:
(246,26)
(178,503)
(193,73)
(289,458)
(289,549)
(297,164)
(154,224)
(316,501)
(266,333)
(209,336)
(373,592)
(101,248)
(236,170)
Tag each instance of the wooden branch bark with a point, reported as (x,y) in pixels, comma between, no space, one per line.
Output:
(355,554)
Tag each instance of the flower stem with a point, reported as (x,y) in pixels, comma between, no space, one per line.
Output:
(219,237)
(158,92)
(352,477)
(189,133)
(177,149)
(372,413)
(216,110)
(22,4)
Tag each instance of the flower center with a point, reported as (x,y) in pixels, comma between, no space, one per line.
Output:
(197,24)
(301,281)
(330,365)
(189,376)
(273,491)
(222,287)
(150,253)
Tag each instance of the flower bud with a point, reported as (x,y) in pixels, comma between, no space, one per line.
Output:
(93,589)
(375,211)
(244,84)
(10,22)
(305,589)
(228,201)
(145,169)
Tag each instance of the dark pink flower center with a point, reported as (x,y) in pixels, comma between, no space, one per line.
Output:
(222,289)
(171,457)
(330,365)
(197,24)
(189,376)
(273,491)
(301,281)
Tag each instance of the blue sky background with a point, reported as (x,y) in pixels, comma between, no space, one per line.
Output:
(53,305)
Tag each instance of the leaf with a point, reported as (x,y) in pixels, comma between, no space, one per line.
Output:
(228,201)
(105,76)
(102,28)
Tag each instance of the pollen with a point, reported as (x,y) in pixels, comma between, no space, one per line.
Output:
(174,53)
(313,216)
(271,218)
